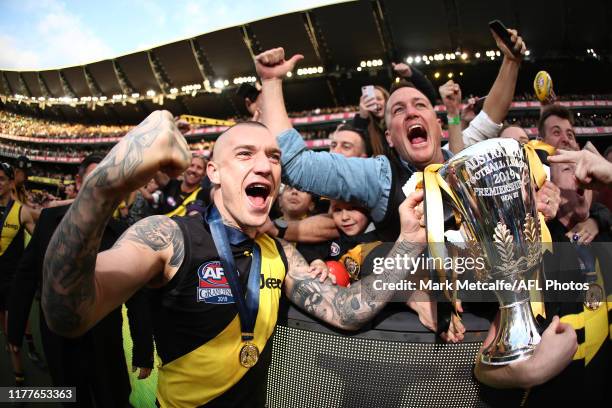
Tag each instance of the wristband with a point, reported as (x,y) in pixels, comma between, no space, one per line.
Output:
(454,120)
(281,232)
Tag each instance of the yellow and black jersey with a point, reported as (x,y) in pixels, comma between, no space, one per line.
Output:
(586,380)
(11,242)
(197,328)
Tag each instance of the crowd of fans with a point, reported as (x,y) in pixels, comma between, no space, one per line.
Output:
(341,226)
(19,125)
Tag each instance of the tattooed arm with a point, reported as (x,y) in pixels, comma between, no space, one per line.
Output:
(80,286)
(349,308)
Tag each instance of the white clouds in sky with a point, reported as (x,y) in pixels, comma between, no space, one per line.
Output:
(59,38)
(46,34)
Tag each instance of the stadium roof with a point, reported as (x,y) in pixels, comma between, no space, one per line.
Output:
(338,38)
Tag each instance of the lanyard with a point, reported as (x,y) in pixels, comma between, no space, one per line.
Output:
(223,237)
(7,210)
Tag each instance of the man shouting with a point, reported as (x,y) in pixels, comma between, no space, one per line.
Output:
(217,281)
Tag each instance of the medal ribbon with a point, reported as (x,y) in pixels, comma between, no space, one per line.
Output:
(224,236)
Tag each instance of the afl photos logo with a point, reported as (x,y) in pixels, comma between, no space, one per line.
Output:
(212,284)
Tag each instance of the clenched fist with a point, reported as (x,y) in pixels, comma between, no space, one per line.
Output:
(271,64)
(412,218)
(154,145)
(450,93)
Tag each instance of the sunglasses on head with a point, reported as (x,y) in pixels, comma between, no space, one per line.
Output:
(8,170)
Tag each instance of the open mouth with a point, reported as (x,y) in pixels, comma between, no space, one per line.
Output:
(417,134)
(258,193)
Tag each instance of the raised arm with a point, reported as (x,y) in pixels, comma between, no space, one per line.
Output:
(80,286)
(349,308)
(450,93)
(501,94)
(272,67)
(366,181)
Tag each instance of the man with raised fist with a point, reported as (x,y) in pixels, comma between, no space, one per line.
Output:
(211,338)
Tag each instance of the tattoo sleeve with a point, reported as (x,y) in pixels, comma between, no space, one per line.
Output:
(69,288)
(346,308)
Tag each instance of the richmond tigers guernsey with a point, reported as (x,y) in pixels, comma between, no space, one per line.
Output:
(197,328)
(11,243)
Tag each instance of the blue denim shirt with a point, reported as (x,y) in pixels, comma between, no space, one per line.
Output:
(366,181)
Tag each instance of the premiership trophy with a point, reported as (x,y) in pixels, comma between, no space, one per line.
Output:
(490,189)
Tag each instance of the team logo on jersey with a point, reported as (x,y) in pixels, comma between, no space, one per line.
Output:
(212,284)
(334,249)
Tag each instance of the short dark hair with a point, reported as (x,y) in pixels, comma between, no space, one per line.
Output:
(93,158)
(363,134)
(554,110)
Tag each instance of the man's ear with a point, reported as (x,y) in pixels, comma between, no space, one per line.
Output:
(212,171)
(388,138)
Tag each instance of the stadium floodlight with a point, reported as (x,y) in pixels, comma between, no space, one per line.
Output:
(362,64)
(359,69)
(477,55)
(409,60)
(369,63)
(427,62)
(417,60)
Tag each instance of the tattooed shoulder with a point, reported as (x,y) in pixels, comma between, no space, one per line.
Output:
(157,232)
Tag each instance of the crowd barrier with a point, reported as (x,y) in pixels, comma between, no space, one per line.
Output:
(394,362)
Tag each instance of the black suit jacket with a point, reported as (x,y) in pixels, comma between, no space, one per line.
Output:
(94,362)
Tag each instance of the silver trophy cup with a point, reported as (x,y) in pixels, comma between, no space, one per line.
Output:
(489,186)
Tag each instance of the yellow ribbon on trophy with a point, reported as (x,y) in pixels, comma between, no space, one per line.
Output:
(431,180)
(538,175)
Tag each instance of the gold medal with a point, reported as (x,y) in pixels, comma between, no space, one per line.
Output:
(593,298)
(249,354)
